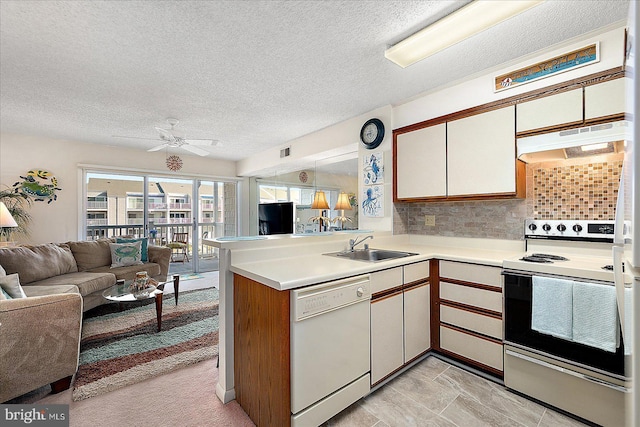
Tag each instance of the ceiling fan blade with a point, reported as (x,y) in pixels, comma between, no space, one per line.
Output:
(165,134)
(133,137)
(199,141)
(159,147)
(195,150)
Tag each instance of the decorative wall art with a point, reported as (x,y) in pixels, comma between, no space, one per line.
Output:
(373,201)
(561,63)
(373,169)
(174,163)
(39,184)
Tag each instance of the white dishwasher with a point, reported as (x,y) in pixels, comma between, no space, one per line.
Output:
(330,348)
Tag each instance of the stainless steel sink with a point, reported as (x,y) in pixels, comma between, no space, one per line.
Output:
(371,255)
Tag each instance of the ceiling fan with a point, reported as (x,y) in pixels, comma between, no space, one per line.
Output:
(172,139)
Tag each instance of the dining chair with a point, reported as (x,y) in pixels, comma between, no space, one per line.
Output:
(179,245)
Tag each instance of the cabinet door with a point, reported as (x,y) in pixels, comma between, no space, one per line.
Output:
(386,336)
(421,163)
(417,321)
(550,111)
(604,99)
(481,153)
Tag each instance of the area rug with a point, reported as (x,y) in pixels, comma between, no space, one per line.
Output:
(191,276)
(121,346)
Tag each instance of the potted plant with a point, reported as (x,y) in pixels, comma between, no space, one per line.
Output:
(17,204)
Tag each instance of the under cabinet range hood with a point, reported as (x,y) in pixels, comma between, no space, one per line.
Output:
(585,141)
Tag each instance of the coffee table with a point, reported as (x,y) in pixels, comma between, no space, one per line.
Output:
(122,294)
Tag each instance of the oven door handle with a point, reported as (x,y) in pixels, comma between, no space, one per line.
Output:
(569,371)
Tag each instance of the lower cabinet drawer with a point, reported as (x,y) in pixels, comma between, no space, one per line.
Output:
(479,323)
(480,350)
(468,295)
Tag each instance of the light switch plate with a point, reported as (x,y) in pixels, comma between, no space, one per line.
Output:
(430,220)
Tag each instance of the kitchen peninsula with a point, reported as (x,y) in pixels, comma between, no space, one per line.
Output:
(259,279)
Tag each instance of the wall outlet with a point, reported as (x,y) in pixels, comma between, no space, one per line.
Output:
(430,220)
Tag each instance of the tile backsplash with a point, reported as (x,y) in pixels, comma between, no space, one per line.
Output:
(581,191)
(569,189)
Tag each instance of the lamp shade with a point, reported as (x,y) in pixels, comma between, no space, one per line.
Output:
(6,220)
(319,201)
(343,202)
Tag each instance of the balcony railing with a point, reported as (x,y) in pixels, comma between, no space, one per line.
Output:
(97,221)
(183,206)
(94,204)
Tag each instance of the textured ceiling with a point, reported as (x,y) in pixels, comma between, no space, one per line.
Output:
(252,74)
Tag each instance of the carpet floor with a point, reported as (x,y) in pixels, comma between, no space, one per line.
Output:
(121,346)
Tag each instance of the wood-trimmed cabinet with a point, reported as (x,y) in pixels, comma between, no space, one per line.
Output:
(471,157)
(582,106)
(400,318)
(470,324)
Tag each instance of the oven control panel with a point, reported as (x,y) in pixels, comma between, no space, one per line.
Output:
(569,229)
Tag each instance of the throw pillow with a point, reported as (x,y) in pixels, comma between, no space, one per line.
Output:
(10,284)
(124,254)
(4,295)
(144,247)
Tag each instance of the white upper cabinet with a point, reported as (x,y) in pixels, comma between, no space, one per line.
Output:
(604,99)
(561,109)
(481,153)
(421,163)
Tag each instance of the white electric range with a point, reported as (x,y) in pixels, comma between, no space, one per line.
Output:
(566,264)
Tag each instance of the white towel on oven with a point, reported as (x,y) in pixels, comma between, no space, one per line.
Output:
(595,315)
(551,307)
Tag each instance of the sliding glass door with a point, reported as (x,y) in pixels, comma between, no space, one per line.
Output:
(164,210)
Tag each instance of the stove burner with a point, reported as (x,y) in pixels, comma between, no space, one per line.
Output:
(552,257)
(532,258)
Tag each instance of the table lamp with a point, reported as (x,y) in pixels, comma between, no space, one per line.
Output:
(6,221)
(342,204)
(320,203)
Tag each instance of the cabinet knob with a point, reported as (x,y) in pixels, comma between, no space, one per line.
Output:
(360,291)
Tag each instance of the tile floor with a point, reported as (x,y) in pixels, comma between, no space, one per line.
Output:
(436,393)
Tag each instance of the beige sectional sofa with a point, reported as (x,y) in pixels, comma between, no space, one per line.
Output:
(41,334)
(83,266)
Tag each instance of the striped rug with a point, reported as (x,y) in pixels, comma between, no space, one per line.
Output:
(121,346)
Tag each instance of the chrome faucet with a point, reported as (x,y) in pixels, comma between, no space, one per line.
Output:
(354,242)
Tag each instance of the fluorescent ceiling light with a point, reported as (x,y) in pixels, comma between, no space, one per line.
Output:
(470,20)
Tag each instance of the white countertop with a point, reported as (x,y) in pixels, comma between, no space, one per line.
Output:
(290,268)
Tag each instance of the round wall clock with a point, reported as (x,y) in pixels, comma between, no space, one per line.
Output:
(174,163)
(372,133)
(303,177)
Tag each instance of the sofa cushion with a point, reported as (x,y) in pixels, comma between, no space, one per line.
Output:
(38,291)
(125,254)
(143,249)
(86,282)
(38,262)
(91,254)
(10,285)
(129,272)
